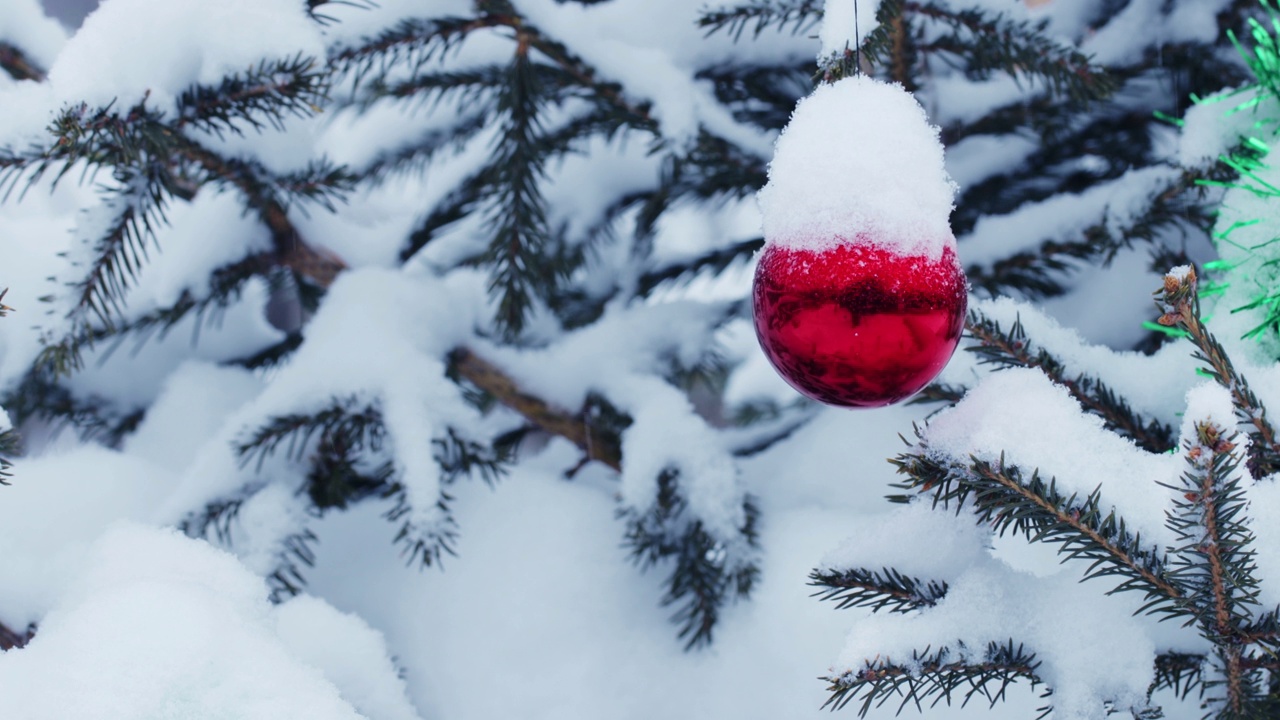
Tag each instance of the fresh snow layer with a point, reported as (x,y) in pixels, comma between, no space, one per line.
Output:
(24,25)
(859,162)
(157,625)
(1115,204)
(161,48)
(1213,126)
(1046,430)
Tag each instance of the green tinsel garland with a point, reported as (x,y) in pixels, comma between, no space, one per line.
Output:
(1247,234)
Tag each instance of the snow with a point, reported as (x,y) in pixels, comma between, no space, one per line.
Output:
(1078,452)
(981,157)
(1192,22)
(87,489)
(208,232)
(187,41)
(955,99)
(1062,621)
(1264,509)
(1064,217)
(354,22)
(351,654)
(891,540)
(192,404)
(1153,385)
(158,625)
(1214,126)
(24,25)
(365,309)
(844,24)
(616,357)
(859,162)
(541,615)
(1209,402)
(651,54)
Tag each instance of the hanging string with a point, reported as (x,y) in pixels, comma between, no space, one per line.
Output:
(857,42)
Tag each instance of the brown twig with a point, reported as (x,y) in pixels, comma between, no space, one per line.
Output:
(573,427)
(900,65)
(18,65)
(319,266)
(10,638)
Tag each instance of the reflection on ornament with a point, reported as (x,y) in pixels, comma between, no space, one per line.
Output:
(856,325)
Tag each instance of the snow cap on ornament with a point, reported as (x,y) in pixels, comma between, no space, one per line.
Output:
(858,298)
(859,163)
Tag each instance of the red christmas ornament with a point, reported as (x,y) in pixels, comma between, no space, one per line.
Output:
(859,298)
(855,324)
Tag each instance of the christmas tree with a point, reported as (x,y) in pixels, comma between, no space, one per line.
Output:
(340,287)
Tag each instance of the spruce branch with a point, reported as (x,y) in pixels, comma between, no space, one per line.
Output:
(10,445)
(466,87)
(986,43)
(1039,272)
(1180,307)
(1183,673)
(939,393)
(414,157)
(151,162)
(982,43)
(360,428)
(1012,348)
(263,96)
(415,42)
(119,254)
(226,287)
(877,589)
(760,94)
(606,94)
(295,552)
(411,43)
(801,15)
(269,197)
(714,261)
(9,441)
(934,676)
(136,209)
(216,520)
(518,253)
(1215,559)
(705,575)
(578,428)
(343,444)
(459,203)
(1119,139)
(18,64)
(425,547)
(1003,497)
(37,396)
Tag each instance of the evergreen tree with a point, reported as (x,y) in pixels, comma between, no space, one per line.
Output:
(477,229)
(1201,568)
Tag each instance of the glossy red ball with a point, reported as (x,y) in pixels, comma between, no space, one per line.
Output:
(857,325)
